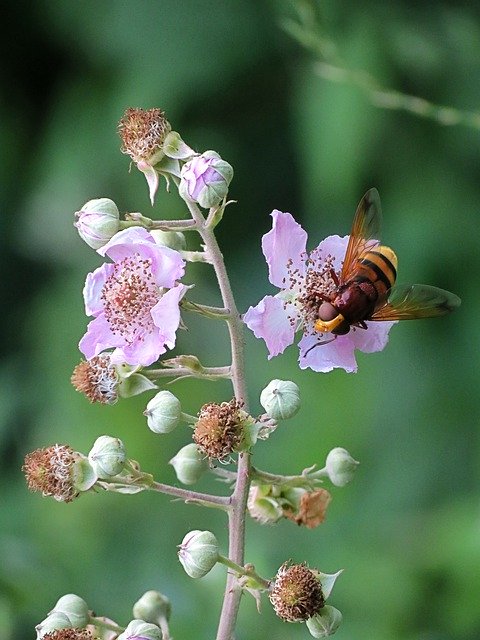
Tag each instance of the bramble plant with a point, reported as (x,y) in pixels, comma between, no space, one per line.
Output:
(136,300)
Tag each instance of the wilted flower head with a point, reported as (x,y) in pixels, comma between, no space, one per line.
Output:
(135,300)
(296,593)
(301,276)
(218,431)
(97,379)
(143,133)
(205,179)
(309,508)
(50,471)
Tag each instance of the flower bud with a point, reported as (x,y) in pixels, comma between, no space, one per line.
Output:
(262,505)
(198,553)
(53,622)
(107,457)
(97,222)
(75,608)
(163,412)
(281,399)
(189,464)
(172,239)
(141,630)
(325,622)
(340,466)
(153,606)
(296,593)
(205,179)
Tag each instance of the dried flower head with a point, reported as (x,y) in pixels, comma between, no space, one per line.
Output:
(69,634)
(50,471)
(143,133)
(296,593)
(218,431)
(97,379)
(311,510)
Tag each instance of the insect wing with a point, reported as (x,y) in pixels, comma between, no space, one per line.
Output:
(410,301)
(365,232)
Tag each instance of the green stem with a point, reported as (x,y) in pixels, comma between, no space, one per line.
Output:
(208,373)
(247,571)
(303,480)
(187,496)
(238,499)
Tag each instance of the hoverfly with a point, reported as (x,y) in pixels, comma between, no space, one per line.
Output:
(366,290)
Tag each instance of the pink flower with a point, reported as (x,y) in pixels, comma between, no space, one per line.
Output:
(135,300)
(300,275)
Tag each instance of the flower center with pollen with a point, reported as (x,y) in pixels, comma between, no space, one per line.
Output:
(128,296)
(312,287)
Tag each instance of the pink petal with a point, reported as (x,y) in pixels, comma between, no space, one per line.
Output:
(145,350)
(270,321)
(98,338)
(285,243)
(121,244)
(334,246)
(166,314)
(339,353)
(374,338)
(93,289)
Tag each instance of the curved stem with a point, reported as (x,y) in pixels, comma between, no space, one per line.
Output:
(238,499)
(186,495)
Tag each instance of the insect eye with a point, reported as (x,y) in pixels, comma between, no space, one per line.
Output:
(327,311)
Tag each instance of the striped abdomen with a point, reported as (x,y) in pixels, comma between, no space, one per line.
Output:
(378,266)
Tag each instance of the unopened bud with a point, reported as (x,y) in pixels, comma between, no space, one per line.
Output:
(153,606)
(262,505)
(75,608)
(281,399)
(189,464)
(172,239)
(198,553)
(163,412)
(325,622)
(205,179)
(340,466)
(97,222)
(53,622)
(141,630)
(107,457)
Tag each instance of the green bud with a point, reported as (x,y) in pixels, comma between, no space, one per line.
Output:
(153,606)
(172,239)
(198,553)
(325,622)
(75,608)
(107,457)
(163,412)
(340,466)
(53,622)
(281,399)
(189,464)
(97,222)
(141,630)
(205,179)
(83,474)
(262,505)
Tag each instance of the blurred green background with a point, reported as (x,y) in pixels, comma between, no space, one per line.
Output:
(407,531)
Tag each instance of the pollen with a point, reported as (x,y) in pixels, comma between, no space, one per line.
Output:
(316,285)
(143,133)
(68,634)
(50,471)
(97,379)
(218,430)
(296,593)
(128,296)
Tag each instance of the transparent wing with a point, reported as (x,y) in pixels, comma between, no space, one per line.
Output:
(365,233)
(410,301)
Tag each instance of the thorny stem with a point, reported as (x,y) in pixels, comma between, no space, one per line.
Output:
(238,499)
